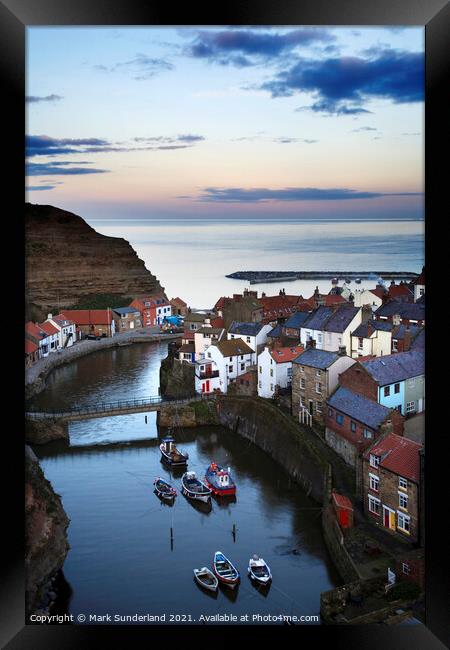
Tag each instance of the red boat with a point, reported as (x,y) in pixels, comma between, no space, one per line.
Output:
(219,480)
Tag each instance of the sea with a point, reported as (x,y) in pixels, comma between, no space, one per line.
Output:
(191,257)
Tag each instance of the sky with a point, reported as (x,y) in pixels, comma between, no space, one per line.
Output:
(226,122)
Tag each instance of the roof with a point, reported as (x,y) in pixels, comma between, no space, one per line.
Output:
(332,299)
(421,278)
(396,367)
(399,331)
(178,301)
(248,329)
(194,317)
(363,329)
(316,358)
(218,321)
(62,319)
(399,291)
(151,300)
(341,318)
(234,347)
(285,355)
(122,311)
(419,341)
(318,318)
(408,310)
(30,347)
(48,328)
(378,291)
(34,330)
(296,320)
(187,347)
(89,316)
(209,330)
(275,332)
(399,455)
(189,334)
(358,407)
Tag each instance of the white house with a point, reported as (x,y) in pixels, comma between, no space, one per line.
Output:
(232,358)
(163,309)
(66,329)
(419,286)
(207,378)
(331,328)
(254,334)
(206,336)
(372,297)
(275,369)
(372,338)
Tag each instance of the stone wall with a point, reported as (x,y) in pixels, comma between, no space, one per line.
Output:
(190,415)
(309,392)
(334,539)
(176,379)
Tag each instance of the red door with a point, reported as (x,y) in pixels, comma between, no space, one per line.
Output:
(343,516)
(205,386)
(386,518)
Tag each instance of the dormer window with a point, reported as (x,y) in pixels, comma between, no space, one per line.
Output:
(374,460)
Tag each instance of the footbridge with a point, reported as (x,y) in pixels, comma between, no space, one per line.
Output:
(119,407)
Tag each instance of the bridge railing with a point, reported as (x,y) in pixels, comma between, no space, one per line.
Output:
(118,405)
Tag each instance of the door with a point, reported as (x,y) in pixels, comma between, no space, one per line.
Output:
(311,407)
(388,518)
(205,386)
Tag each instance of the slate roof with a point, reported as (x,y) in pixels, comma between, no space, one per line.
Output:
(341,318)
(396,367)
(419,341)
(296,320)
(359,407)
(275,332)
(122,311)
(316,358)
(399,455)
(363,329)
(247,329)
(409,310)
(317,319)
(399,331)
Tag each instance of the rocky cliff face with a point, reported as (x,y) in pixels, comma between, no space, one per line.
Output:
(46,543)
(66,259)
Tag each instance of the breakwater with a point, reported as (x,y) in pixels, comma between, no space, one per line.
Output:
(255,277)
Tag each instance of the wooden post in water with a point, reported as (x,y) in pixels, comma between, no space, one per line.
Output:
(145,419)
(234,533)
(171,538)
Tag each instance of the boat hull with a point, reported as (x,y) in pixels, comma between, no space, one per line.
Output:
(203,498)
(168,460)
(220,492)
(229,581)
(209,587)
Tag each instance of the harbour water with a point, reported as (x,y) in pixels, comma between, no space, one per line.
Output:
(121,561)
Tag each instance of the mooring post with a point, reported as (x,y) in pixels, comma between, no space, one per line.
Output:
(145,419)
(234,533)
(171,538)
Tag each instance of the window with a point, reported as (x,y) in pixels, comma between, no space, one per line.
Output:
(260,384)
(232,336)
(367,434)
(242,366)
(330,412)
(374,482)
(396,388)
(319,338)
(302,383)
(302,401)
(402,483)
(289,372)
(353,426)
(319,407)
(230,368)
(202,367)
(387,391)
(302,368)
(360,343)
(374,461)
(406,569)
(271,386)
(339,418)
(248,339)
(271,372)
(260,370)
(410,407)
(402,501)
(394,345)
(318,387)
(318,373)
(374,505)
(209,355)
(403,522)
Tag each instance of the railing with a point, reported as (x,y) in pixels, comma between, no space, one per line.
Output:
(210,375)
(119,405)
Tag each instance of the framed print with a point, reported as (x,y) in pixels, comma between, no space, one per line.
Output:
(221,270)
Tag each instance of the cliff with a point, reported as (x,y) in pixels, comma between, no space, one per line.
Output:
(46,543)
(66,260)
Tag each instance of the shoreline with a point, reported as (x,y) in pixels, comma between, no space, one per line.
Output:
(36,376)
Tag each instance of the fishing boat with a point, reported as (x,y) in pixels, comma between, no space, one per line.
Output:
(206,579)
(219,480)
(164,489)
(170,454)
(225,571)
(259,571)
(193,488)
(358,280)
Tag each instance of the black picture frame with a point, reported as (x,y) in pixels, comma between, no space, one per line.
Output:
(15,16)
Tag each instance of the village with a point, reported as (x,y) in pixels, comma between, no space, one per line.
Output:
(348,366)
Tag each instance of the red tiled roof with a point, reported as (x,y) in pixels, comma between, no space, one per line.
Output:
(48,328)
(220,303)
(189,335)
(379,292)
(399,455)
(62,317)
(341,501)
(30,347)
(396,290)
(332,299)
(89,316)
(217,322)
(178,301)
(283,355)
(367,357)
(33,330)
(421,278)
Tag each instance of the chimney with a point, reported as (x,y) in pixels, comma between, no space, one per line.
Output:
(386,428)
(407,339)
(263,295)
(396,319)
(49,316)
(366,313)
(369,328)
(342,352)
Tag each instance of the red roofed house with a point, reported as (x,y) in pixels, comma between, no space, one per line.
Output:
(419,286)
(99,322)
(66,329)
(179,306)
(391,484)
(275,369)
(400,292)
(153,309)
(280,308)
(31,353)
(45,336)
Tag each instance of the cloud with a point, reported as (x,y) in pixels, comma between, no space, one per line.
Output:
(142,67)
(34,99)
(293,140)
(342,85)
(258,195)
(37,188)
(243,48)
(364,128)
(44,145)
(58,169)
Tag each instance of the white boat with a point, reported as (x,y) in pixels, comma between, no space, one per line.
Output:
(193,488)
(206,578)
(170,454)
(259,571)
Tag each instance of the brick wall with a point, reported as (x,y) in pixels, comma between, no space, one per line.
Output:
(309,393)
(359,381)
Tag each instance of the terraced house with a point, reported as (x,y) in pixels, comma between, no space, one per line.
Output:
(395,381)
(331,327)
(391,484)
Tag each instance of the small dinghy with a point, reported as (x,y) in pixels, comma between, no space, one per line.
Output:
(164,489)
(170,454)
(225,571)
(259,571)
(219,480)
(206,579)
(193,488)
